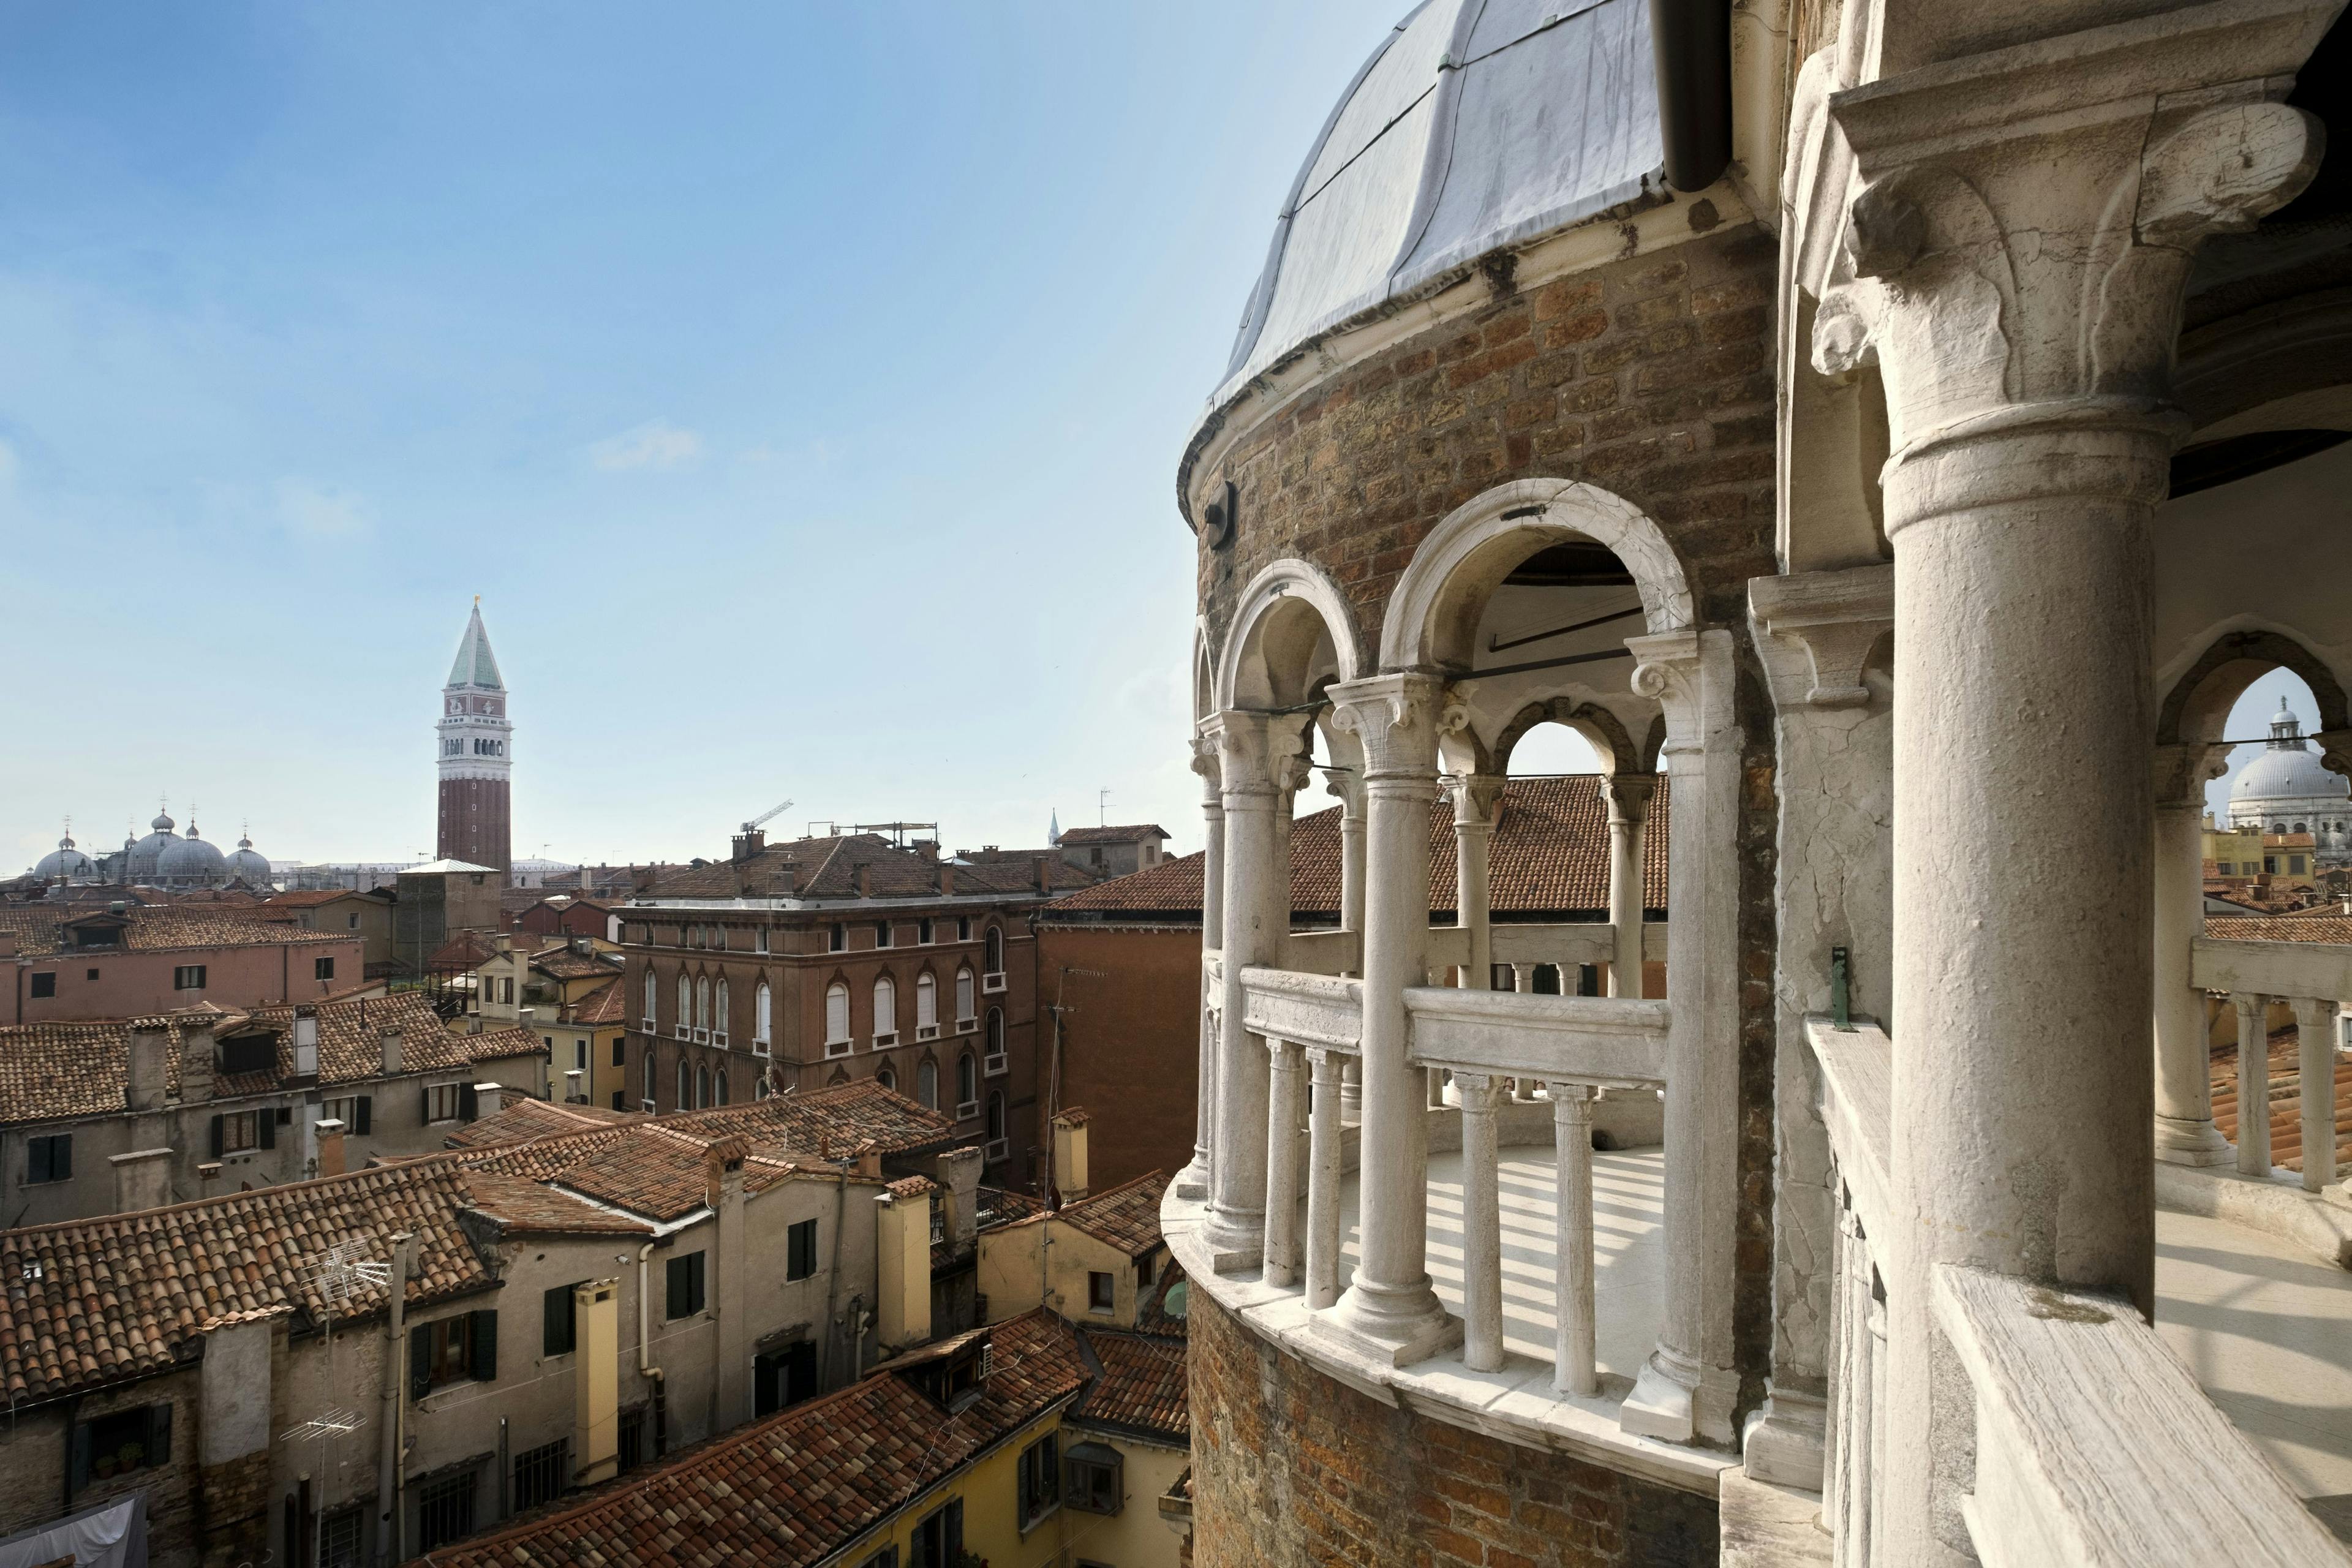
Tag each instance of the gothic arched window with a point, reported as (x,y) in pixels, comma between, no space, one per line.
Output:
(967,1080)
(701,1006)
(963,995)
(685,1087)
(652,993)
(718,1015)
(927,1003)
(926,1085)
(762,1015)
(996,1117)
(888,1078)
(722,1086)
(996,1031)
(648,1096)
(685,1006)
(836,1014)
(885,1008)
(993,951)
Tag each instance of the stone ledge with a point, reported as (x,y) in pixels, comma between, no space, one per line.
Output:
(1768,1526)
(2280,1207)
(1516,1405)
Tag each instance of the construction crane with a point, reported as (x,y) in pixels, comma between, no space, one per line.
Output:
(764,816)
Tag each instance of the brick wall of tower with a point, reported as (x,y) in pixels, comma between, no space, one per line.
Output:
(1294,1470)
(475,825)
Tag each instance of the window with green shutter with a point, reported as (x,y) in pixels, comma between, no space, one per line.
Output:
(559,1334)
(685,1286)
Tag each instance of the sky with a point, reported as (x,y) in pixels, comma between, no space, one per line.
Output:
(800,388)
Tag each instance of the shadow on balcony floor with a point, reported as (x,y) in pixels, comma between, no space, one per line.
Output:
(2267,1330)
(1628,1194)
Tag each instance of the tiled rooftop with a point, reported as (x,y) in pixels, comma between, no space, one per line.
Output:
(2327,925)
(1161,1310)
(95,1300)
(2285,1100)
(602,1008)
(1549,854)
(1137,1386)
(1133,833)
(527,1119)
(1126,1218)
(830,867)
(49,1071)
(804,1484)
(42,933)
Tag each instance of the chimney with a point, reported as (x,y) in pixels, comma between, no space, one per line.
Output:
(595,1382)
(958,1170)
(8,944)
(1070,1154)
(197,1064)
(306,1042)
(722,1168)
(866,881)
(330,1147)
(485,1099)
(575,1086)
(148,1069)
(390,1041)
(641,878)
(868,1155)
(947,881)
(902,1244)
(142,1179)
(502,943)
(750,842)
(1044,876)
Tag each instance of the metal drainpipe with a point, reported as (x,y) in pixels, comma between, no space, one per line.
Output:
(1691,42)
(390,1460)
(645,1367)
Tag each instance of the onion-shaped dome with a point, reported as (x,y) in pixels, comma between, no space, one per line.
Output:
(248,863)
(191,862)
(66,864)
(147,854)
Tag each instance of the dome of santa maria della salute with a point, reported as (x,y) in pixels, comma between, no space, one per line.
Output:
(2288,789)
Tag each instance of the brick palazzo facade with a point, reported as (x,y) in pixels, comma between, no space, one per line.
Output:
(827,960)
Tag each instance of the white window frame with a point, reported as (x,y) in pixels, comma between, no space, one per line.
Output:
(885,1011)
(967,1004)
(685,1005)
(926,1006)
(995,1060)
(652,999)
(718,1014)
(837,1043)
(702,1010)
(762,1019)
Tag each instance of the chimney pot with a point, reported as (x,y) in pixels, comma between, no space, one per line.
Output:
(144,1084)
(486,1097)
(196,1055)
(866,881)
(390,1041)
(1044,876)
(330,1147)
(947,881)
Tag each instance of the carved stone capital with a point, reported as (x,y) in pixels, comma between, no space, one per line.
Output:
(1476,798)
(2182,769)
(2020,223)
(1346,785)
(1481,1093)
(1205,762)
(1836,618)
(1252,754)
(1397,718)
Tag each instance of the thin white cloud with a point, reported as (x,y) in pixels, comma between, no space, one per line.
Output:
(656,444)
(315,511)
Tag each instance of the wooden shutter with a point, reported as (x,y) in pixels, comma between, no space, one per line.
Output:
(367,1106)
(159,1433)
(470,1104)
(424,1107)
(217,1137)
(78,1464)
(484,1356)
(266,1118)
(420,1360)
(61,1157)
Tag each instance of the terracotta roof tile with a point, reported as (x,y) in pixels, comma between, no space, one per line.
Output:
(1137,1386)
(41,932)
(1133,833)
(2285,1100)
(1549,854)
(49,1071)
(601,1008)
(562,963)
(830,867)
(1126,1218)
(2330,927)
(527,1119)
(801,1486)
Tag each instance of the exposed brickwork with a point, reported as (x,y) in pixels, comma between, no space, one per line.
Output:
(1651,377)
(475,822)
(234,1502)
(1292,1469)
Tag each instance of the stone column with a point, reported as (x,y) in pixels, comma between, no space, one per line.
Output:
(1687,1389)
(1628,796)
(1482,1222)
(1573,1370)
(1251,756)
(2253,1083)
(1282,1117)
(1323,1176)
(2185,1133)
(1192,1180)
(1813,633)
(1389,1312)
(2021,284)
(1345,783)
(2314,1036)
(1476,796)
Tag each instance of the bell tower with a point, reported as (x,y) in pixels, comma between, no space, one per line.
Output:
(477,754)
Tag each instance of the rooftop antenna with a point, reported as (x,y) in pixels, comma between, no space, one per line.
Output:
(1102,808)
(337,1276)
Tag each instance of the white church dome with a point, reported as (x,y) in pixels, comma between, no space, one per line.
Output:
(2282,774)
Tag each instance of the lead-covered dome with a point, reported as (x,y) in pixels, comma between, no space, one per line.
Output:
(147,854)
(191,861)
(2281,774)
(248,863)
(66,864)
(1476,124)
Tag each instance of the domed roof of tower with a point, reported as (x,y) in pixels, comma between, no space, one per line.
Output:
(2288,770)
(146,853)
(1476,125)
(475,666)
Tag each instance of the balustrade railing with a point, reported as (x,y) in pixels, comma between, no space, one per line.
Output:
(2309,977)
(2094,1443)
(1489,1042)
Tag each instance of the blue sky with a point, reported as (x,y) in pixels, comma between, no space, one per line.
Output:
(800,388)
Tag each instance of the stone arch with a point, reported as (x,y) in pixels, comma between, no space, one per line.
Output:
(2199,704)
(1434,613)
(1292,632)
(1595,723)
